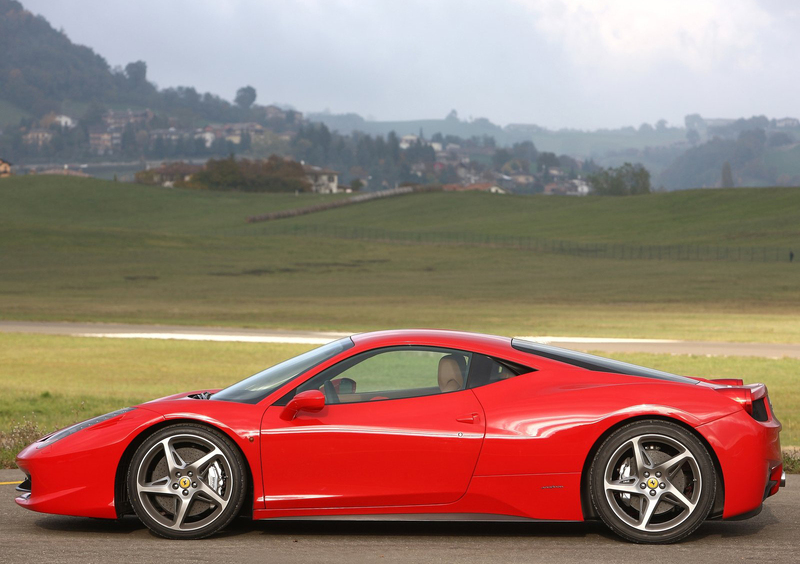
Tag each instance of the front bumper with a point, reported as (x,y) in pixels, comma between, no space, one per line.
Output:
(77,474)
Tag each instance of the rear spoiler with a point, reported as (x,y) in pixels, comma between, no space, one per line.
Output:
(734,388)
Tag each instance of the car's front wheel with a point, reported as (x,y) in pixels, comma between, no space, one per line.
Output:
(186,481)
(652,482)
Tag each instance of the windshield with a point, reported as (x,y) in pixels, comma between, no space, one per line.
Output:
(260,385)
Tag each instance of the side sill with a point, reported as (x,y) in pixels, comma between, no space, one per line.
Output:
(419,517)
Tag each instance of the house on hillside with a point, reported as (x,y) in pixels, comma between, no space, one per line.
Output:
(5,168)
(65,121)
(121,118)
(65,171)
(104,141)
(323,180)
(787,122)
(38,137)
(168,174)
(480,187)
(274,112)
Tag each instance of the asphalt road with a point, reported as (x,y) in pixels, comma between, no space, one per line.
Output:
(115,330)
(32,537)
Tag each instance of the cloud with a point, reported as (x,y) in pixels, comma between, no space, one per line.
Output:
(699,35)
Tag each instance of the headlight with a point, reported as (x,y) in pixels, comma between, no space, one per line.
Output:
(67,431)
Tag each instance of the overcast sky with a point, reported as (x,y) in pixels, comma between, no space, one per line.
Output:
(581,64)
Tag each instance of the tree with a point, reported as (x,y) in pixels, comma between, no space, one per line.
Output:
(501,157)
(692,136)
(627,180)
(727,175)
(136,73)
(694,121)
(245,97)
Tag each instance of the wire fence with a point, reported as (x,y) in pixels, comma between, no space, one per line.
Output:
(620,251)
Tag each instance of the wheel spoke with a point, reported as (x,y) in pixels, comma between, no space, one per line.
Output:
(627,485)
(181,510)
(682,499)
(671,466)
(647,514)
(211,495)
(198,465)
(171,456)
(160,487)
(642,460)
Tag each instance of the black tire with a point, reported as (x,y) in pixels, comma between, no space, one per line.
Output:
(660,496)
(186,481)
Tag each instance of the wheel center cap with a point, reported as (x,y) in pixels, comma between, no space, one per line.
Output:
(185,482)
(652,483)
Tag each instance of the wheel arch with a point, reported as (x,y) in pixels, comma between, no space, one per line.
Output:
(122,503)
(587,507)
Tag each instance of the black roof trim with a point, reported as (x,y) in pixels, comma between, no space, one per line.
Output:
(596,363)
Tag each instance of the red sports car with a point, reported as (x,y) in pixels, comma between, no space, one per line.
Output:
(424,425)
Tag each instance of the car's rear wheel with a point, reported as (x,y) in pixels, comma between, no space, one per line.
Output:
(186,481)
(652,482)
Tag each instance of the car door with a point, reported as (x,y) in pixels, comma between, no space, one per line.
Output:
(398,428)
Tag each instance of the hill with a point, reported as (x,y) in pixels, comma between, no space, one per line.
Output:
(601,145)
(82,249)
(42,71)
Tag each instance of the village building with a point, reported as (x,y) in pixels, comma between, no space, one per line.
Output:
(168,174)
(65,171)
(575,187)
(5,168)
(323,180)
(65,121)
(104,141)
(38,137)
(407,141)
(787,123)
(274,113)
(477,187)
(115,118)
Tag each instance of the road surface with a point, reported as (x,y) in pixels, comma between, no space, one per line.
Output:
(27,537)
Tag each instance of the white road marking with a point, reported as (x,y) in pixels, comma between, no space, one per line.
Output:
(222,338)
(548,339)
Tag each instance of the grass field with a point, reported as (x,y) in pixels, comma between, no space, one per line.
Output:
(76,249)
(740,217)
(54,381)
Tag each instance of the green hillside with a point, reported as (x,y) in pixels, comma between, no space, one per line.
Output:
(82,249)
(737,217)
(10,114)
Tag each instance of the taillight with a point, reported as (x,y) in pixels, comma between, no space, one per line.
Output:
(740,394)
(752,397)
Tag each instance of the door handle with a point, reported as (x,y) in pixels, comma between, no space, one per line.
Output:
(471,418)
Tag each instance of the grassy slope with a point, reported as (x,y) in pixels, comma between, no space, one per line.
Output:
(10,114)
(92,250)
(740,217)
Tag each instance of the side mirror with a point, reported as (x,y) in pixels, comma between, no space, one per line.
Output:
(310,400)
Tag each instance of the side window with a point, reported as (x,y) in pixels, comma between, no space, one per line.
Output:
(393,373)
(486,370)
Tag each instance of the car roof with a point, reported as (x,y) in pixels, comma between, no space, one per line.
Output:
(433,337)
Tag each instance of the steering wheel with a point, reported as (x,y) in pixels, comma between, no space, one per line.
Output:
(331,396)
